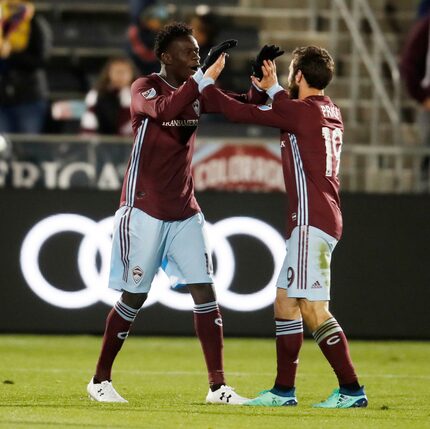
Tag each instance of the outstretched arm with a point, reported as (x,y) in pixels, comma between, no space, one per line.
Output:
(237,111)
(281,116)
(146,101)
(255,95)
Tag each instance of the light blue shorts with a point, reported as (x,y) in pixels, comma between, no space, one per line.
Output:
(142,244)
(305,272)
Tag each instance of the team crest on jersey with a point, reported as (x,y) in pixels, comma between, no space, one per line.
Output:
(196,107)
(150,93)
(137,273)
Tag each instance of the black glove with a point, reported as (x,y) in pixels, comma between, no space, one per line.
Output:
(267,53)
(216,51)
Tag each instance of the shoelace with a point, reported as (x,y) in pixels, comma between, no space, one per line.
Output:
(108,388)
(228,387)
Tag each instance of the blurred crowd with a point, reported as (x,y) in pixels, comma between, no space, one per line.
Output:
(415,70)
(26,42)
(25,45)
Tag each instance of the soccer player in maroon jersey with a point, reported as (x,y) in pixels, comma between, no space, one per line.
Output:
(159,222)
(311,130)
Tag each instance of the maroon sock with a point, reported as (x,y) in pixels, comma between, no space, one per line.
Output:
(289,339)
(333,343)
(118,324)
(208,325)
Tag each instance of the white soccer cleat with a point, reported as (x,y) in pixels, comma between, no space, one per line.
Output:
(225,395)
(103,392)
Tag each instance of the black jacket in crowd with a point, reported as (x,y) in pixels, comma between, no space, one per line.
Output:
(22,75)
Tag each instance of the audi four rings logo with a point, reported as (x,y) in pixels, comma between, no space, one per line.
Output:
(97,237)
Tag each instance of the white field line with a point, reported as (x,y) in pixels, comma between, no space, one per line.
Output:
(192,373)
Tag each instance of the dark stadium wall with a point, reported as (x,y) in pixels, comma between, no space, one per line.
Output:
(380,273)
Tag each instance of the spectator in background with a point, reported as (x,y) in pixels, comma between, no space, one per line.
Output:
(415,70)
(108,104)
(205,29)
(25,42)
(147,18)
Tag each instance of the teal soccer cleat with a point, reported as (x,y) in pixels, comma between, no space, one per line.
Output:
(269,399)
(344,399)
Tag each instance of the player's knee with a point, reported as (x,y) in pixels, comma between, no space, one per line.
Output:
(134,300)
(202,293)
(314,313)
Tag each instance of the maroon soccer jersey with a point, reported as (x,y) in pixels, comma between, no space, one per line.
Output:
(311,141)
(158,179)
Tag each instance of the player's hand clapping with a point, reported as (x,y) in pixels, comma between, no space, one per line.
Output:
(216,51)
(269,76)
(266,53)
(215,70)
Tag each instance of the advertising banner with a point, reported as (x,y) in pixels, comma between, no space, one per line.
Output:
(218,164)
(55,251)
(238,167)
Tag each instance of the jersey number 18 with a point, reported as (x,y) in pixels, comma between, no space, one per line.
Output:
(333,147)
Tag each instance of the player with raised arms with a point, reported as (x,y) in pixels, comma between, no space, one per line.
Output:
(311,131)
(159,222)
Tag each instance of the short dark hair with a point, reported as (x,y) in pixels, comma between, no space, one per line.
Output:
(315,63)
(168,34)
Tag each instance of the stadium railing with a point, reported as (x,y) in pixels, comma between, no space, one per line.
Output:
(374,52)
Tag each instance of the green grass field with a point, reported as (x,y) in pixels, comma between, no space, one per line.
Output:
(43,381)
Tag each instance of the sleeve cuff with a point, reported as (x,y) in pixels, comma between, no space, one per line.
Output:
(273,90)
(206,81)
(256,87)
(198,75)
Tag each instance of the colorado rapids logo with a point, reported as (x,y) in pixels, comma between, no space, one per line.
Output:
(150,93)
(137,274)
(196,107)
